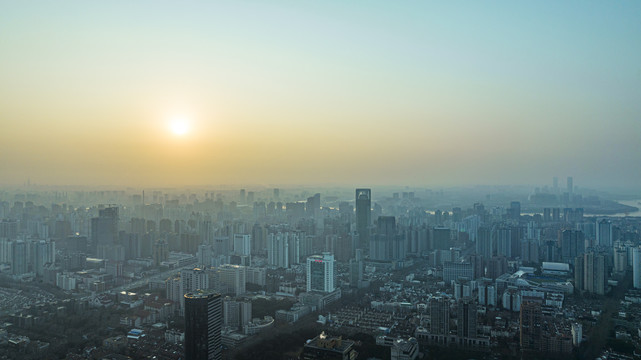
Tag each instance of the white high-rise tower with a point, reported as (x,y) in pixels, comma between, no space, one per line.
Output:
(320,273)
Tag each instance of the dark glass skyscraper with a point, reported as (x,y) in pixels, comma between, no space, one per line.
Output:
(363,216)
(203,321)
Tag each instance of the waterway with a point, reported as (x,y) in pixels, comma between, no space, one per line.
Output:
(636,203)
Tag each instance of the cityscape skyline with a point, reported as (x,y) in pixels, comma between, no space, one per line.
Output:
(291,93)
(227,274)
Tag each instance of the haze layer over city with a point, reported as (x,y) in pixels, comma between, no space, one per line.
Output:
(316,180)
(439,94)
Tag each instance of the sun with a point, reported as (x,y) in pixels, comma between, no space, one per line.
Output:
(179,127)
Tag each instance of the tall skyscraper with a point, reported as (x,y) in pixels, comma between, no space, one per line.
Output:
(570,185)
(203,322)
(363,216)
(636,267)
(320,273)
(467,318)
(604,233)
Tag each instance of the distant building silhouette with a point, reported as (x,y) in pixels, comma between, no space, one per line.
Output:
(104,232)
(385,245)
(363,216)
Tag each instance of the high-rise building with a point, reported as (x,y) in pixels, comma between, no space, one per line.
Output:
(515,210)
(194,279)
(621,259)
(173,290)
(504,241)
(604,233)
(42,252)
(313,206)
(8,229)
(591,268)
(203,322)
(441,238)
(204,255)
(467,318)
(236,313)
(242,244)
(363,216)
(496,266)
(572,244)
(439,316)
(233,278)
(636,267)
(531,323)
(104,232)
(19,258)
(487,294)
(484,243)
(320,273)
(579,273)
(386,244)
(160,251)
(259,240)
(570,184)
(278,249)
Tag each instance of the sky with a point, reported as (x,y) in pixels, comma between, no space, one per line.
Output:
(362,93)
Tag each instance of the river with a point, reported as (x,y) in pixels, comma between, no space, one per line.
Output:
(636,203)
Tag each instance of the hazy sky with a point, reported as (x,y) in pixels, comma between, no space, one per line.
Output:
(291,92)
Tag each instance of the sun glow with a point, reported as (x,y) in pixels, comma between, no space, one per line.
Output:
(179,127)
